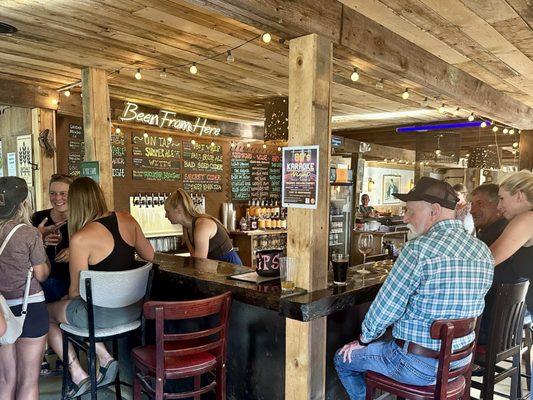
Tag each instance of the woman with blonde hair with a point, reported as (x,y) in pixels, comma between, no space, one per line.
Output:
(100,240)
(463,207)
(20,363)
(204,235)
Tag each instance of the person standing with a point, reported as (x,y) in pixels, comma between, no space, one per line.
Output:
(204,235)
(443,273)
(463,208)
(20,362)
(365,208)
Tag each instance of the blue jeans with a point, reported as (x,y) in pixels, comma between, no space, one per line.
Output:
(389,359)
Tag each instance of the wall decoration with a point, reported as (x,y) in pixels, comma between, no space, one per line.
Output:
(300,177)
(391,184)
(11,164)
(24,158)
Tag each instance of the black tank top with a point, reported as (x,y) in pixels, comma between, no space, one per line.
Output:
(122,257)
(521,267)
(219,244)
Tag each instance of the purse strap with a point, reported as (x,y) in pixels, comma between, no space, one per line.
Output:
(30,270)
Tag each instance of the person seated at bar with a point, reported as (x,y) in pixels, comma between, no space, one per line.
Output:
(463,208)
(100,240)
(3,325)
(443,273)
(204,235)
(52,223)
(20,362)
(365,208)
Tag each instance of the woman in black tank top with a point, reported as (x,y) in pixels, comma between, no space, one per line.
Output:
(100,240)
(204,235)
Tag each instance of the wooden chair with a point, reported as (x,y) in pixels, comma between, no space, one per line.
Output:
(111,290)
(450,384)
(183,355)
(504,340)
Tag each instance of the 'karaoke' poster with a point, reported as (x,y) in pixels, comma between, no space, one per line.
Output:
(300,177)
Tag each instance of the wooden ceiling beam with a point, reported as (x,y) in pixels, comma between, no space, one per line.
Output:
(355,34)
(19,94)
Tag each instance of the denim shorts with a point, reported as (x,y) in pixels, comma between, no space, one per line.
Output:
(104,317)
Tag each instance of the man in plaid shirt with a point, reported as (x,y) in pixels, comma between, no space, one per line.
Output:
(443,273)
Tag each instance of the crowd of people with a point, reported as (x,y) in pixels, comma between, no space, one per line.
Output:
(77,233)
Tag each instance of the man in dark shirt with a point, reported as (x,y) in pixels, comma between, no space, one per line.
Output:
(489,225)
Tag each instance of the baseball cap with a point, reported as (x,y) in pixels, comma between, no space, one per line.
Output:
(431,190)
(13,191)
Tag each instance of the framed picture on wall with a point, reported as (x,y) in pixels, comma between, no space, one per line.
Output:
(391,184)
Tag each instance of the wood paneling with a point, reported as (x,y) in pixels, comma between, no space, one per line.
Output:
(43,119)
(526,151)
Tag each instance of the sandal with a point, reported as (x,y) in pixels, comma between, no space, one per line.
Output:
(108,373)
(81,388)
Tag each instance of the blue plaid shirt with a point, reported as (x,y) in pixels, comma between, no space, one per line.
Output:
(443,274)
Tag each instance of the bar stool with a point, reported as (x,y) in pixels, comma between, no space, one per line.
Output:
(451,384)
(504,340)
(110,290)
(183,355)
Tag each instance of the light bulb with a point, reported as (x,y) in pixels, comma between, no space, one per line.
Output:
(355,75)
(264,146)
(169,139)
(279,148)
(66,93)
(437,152)
(118,130)
(471,117)
(266,37)
(230,58)
(421,162)
(138,75)
(405,95)
(505,131)
(515,145)
(247,144)
(193,69)
(232,145)
(483,124)
(467,155)
(163,73)
(442,108)
(212,143)
(511,131)
(145,135)
(494,128)
(379,84)
(519,131)
(193,141)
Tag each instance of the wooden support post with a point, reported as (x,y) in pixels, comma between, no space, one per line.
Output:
(310,77)
(42,119)
(526,150)
(97,126)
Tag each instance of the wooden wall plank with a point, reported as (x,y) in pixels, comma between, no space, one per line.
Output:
(526,151)
(43,119)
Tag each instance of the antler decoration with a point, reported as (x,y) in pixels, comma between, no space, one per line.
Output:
(46,143)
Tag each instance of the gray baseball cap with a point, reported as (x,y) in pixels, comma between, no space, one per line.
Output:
(13,191)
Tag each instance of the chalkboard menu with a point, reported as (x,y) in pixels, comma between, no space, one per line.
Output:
(202,167)
(118,154)
(76,149)
(255,175)
(155,157)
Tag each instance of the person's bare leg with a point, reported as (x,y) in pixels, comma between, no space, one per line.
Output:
(8,372)
(29,355)
(55,340)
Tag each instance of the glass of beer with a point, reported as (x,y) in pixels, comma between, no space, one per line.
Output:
(340,268)
(287,272)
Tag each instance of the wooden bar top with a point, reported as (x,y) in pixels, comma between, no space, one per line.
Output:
(210,278)
(259,232)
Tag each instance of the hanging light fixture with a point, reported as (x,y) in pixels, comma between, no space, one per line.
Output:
(163,73)
(229,57)
(483,124)
(505,131)
(379,84)
(471,117)
(511,131)
(138,75)
(118,130)
(371,185)
(355,75)
(66,93)
(494,128)
(193,69)
(442,108)
(266,37)
(405,94)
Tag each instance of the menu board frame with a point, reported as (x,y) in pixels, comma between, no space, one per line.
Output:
(293,183)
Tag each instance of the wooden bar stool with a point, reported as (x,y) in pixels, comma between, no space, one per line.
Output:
(504,340)
(183,355)
(451,384)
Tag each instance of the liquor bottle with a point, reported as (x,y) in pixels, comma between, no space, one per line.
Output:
(268,221)
(283,221)
(253,223)
(261,224)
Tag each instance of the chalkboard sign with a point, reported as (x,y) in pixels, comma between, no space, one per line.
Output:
(155,157)
(255,174)
(118,154)
(202,167)
(76,149)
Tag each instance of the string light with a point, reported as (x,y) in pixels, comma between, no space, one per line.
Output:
(442,108)
(264,146)
(145,135)
(483,124)
(117,130)
(425,102)
(193,69)
(232,145)
(279,148)
(163,73)
(379,84)
(355,75)
(494,128)
(405,94)
(471,117)
(266,37)
(511,131)
(229,57)
(66,93)
(456,111)
(138,75)
(247,144)
(505,131)
(193,141)
(515,145)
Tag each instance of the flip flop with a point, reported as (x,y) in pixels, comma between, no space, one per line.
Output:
(108,373)
(81,388)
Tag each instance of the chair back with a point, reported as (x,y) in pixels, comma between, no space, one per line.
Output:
(115,289)
(448,330)
(212,339)
(508,306)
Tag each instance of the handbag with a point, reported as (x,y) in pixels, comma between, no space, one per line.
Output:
(14,323)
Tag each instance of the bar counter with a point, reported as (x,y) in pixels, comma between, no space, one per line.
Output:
(256,329)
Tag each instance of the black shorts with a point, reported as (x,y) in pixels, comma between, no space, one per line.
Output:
(36,322)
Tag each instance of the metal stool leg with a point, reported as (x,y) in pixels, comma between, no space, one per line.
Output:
(92,367)
(66,364)
(118,392)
